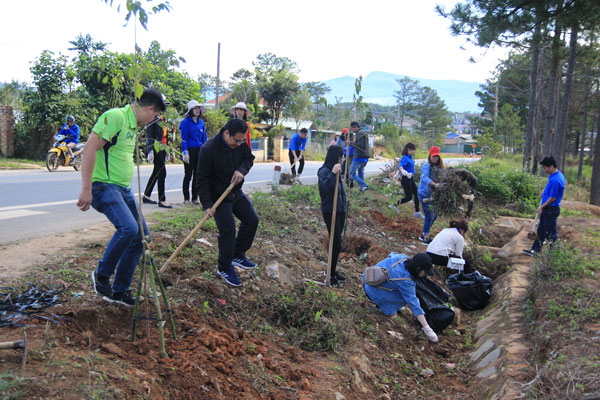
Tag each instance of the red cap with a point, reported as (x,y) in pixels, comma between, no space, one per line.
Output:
(345,130)
(434,151)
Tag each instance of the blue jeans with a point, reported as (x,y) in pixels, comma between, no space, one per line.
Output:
(547,227)
(430,217)
(230,245)
(125,248)
(357,172)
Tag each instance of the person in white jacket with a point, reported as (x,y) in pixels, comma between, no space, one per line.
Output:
(450,242)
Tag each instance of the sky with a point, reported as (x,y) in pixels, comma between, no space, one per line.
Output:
(326,38)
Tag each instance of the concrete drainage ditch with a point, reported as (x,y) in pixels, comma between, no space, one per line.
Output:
(501,351)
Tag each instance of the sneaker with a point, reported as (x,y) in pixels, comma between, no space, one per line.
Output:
(339,276)
(196,202)
(244,263)
(125,298)
(187,203)
(419,215)
(230,276)
(530,252)
(101,285)
(147,200)
(364,189)
(424,240)
(333,281)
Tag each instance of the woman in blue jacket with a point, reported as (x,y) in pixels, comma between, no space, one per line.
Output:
(406,172)
(193,136)
(327,177)
(425,187)
(400,289)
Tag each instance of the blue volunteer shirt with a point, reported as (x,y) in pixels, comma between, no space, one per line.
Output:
(71,134)
(403,292)
(426,178)
(193,134)
(554,188)
(297,143)
(408,163)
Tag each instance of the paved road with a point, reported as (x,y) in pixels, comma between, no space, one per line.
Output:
(37,203)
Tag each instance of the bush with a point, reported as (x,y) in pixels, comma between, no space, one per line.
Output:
(562,261)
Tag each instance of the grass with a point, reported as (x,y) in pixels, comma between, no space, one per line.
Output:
(20,163)
(9,386)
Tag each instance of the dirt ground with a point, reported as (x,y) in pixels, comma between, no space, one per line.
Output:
(230,344)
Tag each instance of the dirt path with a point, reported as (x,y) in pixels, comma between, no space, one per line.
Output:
(18,259)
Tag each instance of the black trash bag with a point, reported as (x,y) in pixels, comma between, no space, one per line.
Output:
(434,302)
(472,291)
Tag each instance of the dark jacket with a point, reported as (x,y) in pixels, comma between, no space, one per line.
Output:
(361,145)
(326,190)
(154,133)
(216,164)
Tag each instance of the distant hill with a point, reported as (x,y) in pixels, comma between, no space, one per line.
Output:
(378,87)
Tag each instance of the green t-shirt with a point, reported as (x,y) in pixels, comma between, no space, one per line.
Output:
(114,164)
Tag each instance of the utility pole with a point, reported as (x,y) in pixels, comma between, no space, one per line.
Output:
(218,74)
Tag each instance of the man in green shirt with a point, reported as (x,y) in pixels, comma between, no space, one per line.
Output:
(106,172)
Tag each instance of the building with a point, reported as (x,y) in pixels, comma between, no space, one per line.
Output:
(455,143)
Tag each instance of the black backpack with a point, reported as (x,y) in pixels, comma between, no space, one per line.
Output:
(434,302)
(472,291)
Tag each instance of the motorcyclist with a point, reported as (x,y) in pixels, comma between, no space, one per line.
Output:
(71,132)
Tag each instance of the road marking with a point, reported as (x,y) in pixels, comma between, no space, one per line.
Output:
(19,213)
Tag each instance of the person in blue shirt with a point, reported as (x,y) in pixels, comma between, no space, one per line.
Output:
(193,136)
(71,132)
(549,209)
(296,151)
(400,290)
(406,172)
(428,183)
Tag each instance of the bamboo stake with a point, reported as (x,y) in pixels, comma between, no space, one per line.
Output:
(196,229)
(332,230)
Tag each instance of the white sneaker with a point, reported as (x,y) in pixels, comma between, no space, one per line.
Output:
(419,215)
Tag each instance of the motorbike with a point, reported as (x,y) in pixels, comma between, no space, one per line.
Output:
(59,155)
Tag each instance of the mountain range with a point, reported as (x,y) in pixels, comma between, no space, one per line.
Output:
(378,87)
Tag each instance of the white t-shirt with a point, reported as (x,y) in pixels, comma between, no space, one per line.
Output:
(449,238)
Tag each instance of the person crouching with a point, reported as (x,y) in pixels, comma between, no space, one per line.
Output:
(400,289)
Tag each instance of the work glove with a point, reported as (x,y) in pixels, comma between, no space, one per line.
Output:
(167,157)
(186,157)
(468,197)
(404,173)
(151,157)
(430,334)
(409,175)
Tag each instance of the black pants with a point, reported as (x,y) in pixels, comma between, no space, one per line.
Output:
(410,192)
(340,217)
(230,245)
(546,227)
(191,171)
(443,261)
(301,162)
(159,174)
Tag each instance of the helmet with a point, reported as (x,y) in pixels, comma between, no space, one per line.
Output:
(70,118)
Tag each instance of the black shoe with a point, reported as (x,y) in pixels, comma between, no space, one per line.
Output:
(164,204)
(333,281)
(364,189)
(339,276)
(530,252)
(101,285)
(147,200)
(196,202)
(124,298)
(424,240)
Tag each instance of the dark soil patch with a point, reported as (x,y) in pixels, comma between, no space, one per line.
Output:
(406,228)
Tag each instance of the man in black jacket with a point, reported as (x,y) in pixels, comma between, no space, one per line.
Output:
(361,156)
(155,135)
(225,159)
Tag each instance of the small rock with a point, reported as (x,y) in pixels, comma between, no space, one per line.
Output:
(396,335)
(112,349)
(427,372)
(339,396)
(450,365)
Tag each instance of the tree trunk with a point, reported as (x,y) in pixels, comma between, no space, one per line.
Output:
(535,50)
(537,126)
(554,76)
(584,129)
(595,189)
(560,136)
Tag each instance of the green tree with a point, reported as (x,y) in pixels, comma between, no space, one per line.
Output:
(405,97)
(509,127)
(431,112)
(299,107)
